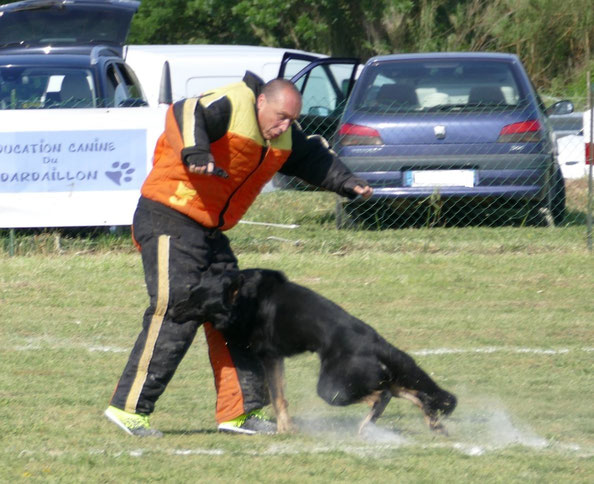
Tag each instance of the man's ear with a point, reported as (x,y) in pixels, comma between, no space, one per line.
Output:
(260,100)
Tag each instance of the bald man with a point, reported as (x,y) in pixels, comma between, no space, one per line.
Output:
(214,157)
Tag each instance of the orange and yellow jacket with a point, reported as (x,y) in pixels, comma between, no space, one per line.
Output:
(223,123)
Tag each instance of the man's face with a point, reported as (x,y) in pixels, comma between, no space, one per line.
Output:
(276,114)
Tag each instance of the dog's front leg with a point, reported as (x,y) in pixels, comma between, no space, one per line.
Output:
(275,377)
(378,402)
(412,396)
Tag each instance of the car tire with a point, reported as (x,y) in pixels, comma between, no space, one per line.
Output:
(557,198)
(552,210)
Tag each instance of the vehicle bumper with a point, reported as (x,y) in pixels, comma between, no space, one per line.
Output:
(513,177)
(512,184)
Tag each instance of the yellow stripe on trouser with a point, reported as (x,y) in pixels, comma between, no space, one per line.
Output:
(155,325)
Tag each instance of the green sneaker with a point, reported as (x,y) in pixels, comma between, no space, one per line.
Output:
(250,423)
(132,423)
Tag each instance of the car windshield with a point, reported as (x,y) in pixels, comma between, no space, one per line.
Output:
(61,23)
(438,85)
(34,87)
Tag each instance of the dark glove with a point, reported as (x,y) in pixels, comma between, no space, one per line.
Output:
(349,186)
(206,160)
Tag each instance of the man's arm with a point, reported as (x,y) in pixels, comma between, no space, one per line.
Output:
(201,121)
(313,161)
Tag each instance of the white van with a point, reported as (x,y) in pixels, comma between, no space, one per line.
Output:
(193,69)
(169,73)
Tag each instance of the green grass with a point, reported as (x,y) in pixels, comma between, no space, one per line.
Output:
(502,317)
(313,216)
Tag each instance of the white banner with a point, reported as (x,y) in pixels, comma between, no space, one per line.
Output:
(74,167)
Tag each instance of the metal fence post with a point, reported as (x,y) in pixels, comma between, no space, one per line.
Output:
(590,160)
(11,242)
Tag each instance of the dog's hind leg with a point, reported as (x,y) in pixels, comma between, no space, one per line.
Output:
(378,402)
(275,377)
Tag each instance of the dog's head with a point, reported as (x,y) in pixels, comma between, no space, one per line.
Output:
(246,293)
(220,306)
(439,404)
(233,301)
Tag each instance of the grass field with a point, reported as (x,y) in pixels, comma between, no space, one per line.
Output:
(500,316)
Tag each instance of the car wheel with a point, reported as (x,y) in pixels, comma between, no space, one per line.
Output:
(552,210)
(557,198)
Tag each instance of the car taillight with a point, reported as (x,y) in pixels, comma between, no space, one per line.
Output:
(354,134)
(523,132)
(588,154)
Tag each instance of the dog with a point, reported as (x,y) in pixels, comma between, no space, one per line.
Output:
(276,318)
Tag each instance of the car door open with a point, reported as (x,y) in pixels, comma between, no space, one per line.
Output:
(325,84)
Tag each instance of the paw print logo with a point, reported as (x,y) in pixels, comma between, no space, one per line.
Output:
(122,173)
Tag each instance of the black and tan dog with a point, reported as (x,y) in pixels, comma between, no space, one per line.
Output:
(277,319)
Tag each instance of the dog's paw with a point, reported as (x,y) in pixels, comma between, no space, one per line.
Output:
(284,426)
(437,427)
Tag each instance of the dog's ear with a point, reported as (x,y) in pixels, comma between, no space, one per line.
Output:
(252,280)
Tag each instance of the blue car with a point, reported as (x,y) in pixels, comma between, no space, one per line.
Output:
(451,136)
(58,54)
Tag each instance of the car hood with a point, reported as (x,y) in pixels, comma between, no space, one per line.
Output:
(34,23)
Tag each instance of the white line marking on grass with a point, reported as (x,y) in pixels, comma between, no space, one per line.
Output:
(366,449)
(108,349)
(197,452)
(44,342)
(495,349)
(40,343)
(485,429)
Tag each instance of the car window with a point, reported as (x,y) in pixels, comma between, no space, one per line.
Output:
(55,23)
(35,87)
(293,66)
(133,91)
(412,86)
(123,88)
(320,94)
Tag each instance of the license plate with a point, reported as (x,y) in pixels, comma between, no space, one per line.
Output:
(439,178)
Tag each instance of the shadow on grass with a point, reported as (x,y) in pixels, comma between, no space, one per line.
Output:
(383,215)
(190,432)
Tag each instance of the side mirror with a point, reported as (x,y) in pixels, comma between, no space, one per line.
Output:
(319,111)
(560,108)
(165,90)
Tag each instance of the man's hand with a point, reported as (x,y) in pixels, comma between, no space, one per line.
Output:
(357,187)
(208,168)
(363,191)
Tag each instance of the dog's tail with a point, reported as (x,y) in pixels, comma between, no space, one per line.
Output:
(410,381)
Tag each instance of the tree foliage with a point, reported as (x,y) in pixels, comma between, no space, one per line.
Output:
(552,38)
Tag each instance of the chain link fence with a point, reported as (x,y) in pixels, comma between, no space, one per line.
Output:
(428,187)
(558,197)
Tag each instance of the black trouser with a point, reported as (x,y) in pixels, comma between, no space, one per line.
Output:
(175,253)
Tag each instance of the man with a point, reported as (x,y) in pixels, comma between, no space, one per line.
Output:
(214,157)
